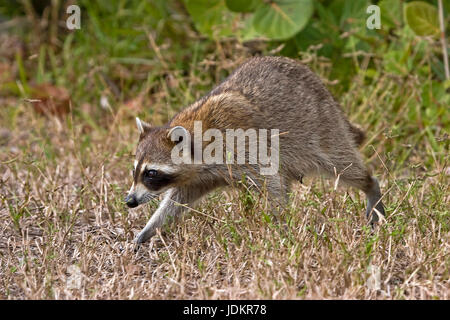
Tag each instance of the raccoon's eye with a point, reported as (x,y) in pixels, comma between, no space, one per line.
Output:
(150,173)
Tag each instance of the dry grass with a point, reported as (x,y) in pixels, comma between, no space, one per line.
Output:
(62,184)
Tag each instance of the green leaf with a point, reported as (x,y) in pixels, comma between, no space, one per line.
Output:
(354,13)
(326,15)
(391,13)
(282,19)
(211,17)
(242,5)
(422,18)
(248,31)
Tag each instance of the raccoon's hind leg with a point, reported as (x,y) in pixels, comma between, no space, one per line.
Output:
(373,194)
(352,171)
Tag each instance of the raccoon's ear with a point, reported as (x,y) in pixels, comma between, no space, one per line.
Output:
(178,134)
(142,126)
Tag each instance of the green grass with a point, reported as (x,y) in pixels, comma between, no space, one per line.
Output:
(62,179)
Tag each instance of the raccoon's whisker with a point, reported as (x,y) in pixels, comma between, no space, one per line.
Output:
(148,197)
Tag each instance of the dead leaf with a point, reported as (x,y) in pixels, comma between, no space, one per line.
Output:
(50,100)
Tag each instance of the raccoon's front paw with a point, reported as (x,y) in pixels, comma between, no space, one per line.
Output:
(143,236)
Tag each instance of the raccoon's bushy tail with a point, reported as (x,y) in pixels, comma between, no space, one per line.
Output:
(358,135)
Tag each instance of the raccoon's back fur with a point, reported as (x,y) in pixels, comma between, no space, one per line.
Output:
(287,92)
(277,92)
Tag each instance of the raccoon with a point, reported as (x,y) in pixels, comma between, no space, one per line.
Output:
(263,93)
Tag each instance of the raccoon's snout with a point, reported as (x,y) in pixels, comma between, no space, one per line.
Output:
(131,201)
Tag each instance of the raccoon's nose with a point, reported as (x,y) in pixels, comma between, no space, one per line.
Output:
(131,201)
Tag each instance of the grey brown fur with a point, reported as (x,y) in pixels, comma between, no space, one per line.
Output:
(265,92)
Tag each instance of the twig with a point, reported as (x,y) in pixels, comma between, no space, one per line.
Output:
(196,211)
